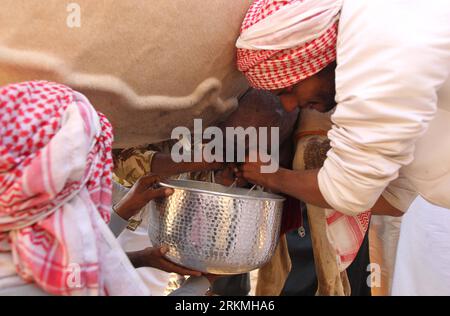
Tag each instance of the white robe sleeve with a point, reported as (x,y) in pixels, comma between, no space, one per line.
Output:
(117,224)
(392,59)
(400,193)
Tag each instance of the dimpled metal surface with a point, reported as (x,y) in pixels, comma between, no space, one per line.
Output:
(215,232)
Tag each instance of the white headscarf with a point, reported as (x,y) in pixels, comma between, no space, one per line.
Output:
(293,25)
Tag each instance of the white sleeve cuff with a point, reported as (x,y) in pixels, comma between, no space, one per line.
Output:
(339,194)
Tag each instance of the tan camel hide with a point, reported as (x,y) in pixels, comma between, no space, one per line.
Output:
(148,65)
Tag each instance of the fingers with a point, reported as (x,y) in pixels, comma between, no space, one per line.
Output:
(149,180)
(152,194)
(249,167)
(166,265)
(249,172)
(163,250)
(173,268)
(243,171)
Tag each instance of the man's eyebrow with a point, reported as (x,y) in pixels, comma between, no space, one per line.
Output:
(278,92)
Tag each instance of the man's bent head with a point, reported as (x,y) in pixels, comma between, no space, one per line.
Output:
(316,92)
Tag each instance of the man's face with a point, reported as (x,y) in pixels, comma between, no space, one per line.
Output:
(316,92)
(258,109)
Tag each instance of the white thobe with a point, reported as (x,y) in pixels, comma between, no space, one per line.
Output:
(390,129)
(423,256)
(393,112)
(384,234)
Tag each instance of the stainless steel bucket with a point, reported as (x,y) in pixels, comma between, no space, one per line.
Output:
(216,229)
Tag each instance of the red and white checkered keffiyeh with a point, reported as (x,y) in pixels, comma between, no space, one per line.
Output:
(55,192)
(284,42)
(346,234)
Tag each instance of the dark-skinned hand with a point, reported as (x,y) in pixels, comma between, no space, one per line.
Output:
(142,192)
(154,258)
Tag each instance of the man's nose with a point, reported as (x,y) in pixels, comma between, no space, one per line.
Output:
(289,102)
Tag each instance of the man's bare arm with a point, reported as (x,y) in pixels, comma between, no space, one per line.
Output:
(304,186)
